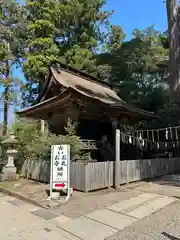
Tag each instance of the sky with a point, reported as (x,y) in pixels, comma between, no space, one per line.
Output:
(131,14)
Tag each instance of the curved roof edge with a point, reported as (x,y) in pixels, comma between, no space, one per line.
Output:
(69,69)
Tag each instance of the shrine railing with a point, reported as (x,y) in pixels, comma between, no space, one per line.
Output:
(89,144)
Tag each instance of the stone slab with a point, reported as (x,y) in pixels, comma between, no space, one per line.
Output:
(46,214)
(150,207)
(141,212)
(159,203)
(88,229)
(43,235)
(113,219)
(69,235)
(29,207)
(7,198)
(16,202)
(61,219)
(15,220)
(132,202)
(13,237)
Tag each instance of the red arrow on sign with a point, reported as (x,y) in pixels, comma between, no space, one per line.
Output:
(60,185)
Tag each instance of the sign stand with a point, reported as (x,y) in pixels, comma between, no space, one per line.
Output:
(60,170)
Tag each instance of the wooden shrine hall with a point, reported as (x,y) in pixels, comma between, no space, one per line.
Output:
(69,93)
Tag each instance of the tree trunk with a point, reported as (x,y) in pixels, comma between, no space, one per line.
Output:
(5,124)
(174,52)
(6,92)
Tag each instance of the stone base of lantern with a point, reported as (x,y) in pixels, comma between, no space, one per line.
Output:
(9,174)
(8,177)
(9,171)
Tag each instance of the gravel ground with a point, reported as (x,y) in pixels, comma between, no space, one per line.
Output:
(31,189)
(164,224)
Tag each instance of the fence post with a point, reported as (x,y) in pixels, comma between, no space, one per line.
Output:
(127,172)
(109,173)
(117,163)
(86,176)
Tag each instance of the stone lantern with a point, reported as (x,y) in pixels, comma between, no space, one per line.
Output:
(10,148)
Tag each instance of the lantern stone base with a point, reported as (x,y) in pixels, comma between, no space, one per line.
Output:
(9,177)
(9,171)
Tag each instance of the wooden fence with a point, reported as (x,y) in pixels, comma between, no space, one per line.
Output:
(97,175)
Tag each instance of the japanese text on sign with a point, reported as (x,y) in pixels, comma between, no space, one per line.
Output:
(60,163)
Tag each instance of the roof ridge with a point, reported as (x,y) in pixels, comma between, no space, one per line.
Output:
(79,73)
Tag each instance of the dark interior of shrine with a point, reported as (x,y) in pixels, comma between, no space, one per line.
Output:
(95,130)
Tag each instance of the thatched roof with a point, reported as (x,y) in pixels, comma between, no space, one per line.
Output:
(88,88)
(82,85)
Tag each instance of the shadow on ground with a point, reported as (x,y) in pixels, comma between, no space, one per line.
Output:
(168,180)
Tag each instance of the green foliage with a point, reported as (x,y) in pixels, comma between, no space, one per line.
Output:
(3,161)
(61,30)
(114,38)
(170,114)
(137,68)
(42,21)
(11,15)
(71,31)
(35,146)
(70,127)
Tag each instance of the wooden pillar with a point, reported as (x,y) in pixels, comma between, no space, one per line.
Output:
(114,127)
(117,158)
(42,126)
(116,133)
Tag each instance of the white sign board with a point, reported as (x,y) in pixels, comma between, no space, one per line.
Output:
(60,167)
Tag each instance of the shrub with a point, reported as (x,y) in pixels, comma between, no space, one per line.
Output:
(34,145)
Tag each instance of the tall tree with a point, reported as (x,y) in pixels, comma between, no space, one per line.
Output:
(10,50)
(83,33)
(173,17)
(138,68)
(65,30)
(113,41)
(42,21)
